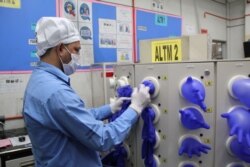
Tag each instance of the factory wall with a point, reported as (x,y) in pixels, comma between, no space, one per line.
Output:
(193,20)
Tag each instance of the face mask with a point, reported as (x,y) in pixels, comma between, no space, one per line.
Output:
(71,67)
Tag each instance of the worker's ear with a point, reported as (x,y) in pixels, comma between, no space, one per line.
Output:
(59,49)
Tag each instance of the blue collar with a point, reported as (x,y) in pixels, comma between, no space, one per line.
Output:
(53,70)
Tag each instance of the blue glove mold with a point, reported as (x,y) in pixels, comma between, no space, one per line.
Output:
(241,91)
(191,118)
(191,146)
(238,120)
(194,91)
(240,150)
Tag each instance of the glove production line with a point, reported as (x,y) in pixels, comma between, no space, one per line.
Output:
(198,117)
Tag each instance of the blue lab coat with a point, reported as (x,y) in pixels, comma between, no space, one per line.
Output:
(63,132)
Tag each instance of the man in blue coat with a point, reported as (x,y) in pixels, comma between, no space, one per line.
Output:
(63,132)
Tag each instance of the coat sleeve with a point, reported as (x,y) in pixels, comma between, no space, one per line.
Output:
(101,113)
(68,114)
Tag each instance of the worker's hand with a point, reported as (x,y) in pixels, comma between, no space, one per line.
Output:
(140,98)
(117,104)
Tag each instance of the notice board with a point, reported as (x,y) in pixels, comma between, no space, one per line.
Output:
(106,29)
(156,25)
(17,32)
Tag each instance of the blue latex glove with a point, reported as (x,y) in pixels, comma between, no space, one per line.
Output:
(124,91)
(148,154)
(119,155)
(239,124)
(151,86)
(192,119)
(240,150)
(116,158)
(241,90)
(109,159)
(148,137)
(192,146)
(188,165)
(148,129)
(194,92)
(238,165)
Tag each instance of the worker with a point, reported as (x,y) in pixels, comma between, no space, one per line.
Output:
(62,131)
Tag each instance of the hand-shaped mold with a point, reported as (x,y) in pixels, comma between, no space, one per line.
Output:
(191,118)
(239,88)
(238,119)
(193,91)
(188,164)
(240,150)
(192,146)
(153,84)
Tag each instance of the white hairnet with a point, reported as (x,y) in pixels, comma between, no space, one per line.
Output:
(52,31)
